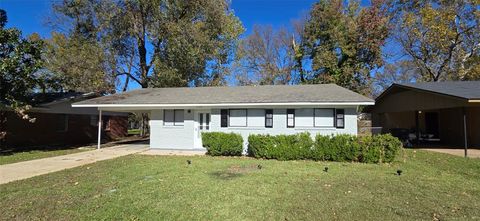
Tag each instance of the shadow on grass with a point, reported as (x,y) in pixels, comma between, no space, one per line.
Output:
(225,175)
(235,171)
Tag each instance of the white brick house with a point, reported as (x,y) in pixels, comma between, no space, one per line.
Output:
(178,116)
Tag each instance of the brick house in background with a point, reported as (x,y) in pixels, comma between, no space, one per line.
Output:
(57,123)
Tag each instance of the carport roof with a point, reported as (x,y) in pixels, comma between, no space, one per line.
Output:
(278,94)
(469,90)
(463,89)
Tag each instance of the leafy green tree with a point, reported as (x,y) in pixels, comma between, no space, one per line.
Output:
(344,42)
(79,64)
(160,43)
(441,37)
(20,59)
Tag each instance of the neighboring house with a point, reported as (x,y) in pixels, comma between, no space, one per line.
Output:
(57,123)
(178,116)
(434,112)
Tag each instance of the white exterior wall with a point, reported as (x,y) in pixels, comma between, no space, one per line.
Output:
(280,125)
(171,137)
(183,137)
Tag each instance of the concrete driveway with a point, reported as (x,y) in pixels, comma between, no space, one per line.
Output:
(27,169)
(472,153)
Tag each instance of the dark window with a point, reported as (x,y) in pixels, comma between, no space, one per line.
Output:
(207,120)
(62,123)
(94,120)
(224,118)
(201,121)
(290,118)
(173,117)
(269,118)
(340,118)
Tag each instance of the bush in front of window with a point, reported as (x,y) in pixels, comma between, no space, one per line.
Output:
(342,148)
(222,144)
(281,147)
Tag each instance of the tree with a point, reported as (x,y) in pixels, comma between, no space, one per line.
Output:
(344,42)
(441,37)
(79,64)
(265,57)
(403,71)
(160,43)
(20,59)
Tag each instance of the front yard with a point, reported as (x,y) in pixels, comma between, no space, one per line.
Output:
(432,186)
(14,157)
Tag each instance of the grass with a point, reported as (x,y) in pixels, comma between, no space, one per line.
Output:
(134,132)
(432,186)
(15,157)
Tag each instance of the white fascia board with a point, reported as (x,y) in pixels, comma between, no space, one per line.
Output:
(223,105)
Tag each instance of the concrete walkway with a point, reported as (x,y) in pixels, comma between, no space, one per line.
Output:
(472,153)
(27,169)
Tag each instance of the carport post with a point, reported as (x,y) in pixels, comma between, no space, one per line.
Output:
(465,131)
(99,128)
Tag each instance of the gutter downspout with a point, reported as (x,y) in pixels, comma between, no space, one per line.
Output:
(99,128)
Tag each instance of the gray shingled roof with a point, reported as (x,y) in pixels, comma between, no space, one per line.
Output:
(462,89)
(242,94)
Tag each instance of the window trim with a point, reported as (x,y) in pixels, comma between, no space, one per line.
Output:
(269,110)
(334,117)
(174,123)
(246,118)
(343,118)
(290,110)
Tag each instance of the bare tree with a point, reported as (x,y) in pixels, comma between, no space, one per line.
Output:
(265,57)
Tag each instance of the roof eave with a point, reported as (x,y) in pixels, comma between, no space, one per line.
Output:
(353,103)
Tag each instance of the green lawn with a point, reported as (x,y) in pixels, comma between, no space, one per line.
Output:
(134,132)
(37,154)
(432,186)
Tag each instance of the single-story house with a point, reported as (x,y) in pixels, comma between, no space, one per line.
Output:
(431,113)
(57,123)
(178,116)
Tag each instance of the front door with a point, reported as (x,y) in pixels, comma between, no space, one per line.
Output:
(202,124)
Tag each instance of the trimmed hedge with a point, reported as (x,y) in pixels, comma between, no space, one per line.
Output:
(222,144)
(342,148)
(282,147)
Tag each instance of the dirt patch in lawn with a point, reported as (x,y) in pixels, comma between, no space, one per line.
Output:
(235,171)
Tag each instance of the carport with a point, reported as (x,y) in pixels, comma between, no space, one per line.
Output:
(432,114)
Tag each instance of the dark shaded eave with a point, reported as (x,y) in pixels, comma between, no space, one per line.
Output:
(395,85)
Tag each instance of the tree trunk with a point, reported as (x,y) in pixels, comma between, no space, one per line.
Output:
(144,127)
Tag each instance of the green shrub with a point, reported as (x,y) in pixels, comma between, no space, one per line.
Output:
(369,153)
(222,144)
(379,148)
(281,147)
(343,147)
